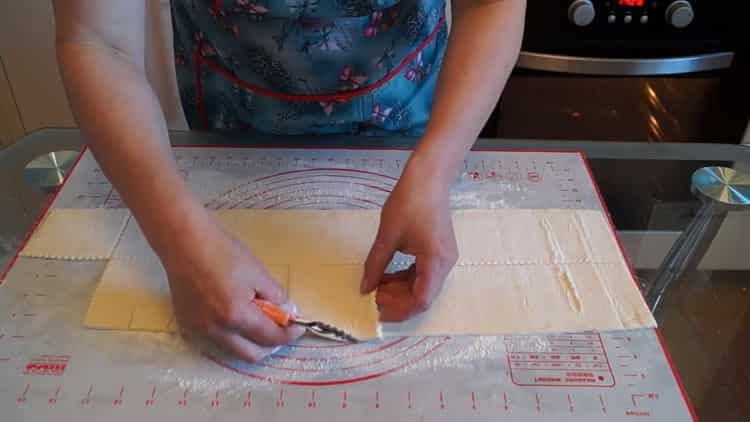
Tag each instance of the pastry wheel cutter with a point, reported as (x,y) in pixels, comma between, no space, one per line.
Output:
(317,328)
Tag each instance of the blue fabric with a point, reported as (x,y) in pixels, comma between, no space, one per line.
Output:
(309,66)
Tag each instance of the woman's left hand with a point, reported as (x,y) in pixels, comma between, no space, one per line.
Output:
(415,220)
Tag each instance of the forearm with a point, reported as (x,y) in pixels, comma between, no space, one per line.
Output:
(482,51)
(123,125)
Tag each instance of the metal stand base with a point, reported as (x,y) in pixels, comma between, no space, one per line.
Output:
(721,190)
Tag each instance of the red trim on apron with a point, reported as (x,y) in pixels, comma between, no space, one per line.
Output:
(340,96)
(199,89)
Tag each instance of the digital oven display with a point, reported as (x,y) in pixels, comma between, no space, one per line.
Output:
(631,3)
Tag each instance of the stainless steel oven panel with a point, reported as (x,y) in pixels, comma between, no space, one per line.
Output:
(624,67)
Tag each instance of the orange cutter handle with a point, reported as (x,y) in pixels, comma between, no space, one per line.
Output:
(278,315)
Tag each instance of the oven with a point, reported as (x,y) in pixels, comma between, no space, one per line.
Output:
(628,70)
(631,70)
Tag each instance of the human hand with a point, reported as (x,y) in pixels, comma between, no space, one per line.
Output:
(415,220)
(213,283)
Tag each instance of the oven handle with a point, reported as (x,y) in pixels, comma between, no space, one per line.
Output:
(624,67)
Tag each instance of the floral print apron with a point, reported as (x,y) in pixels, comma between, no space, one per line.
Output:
(309,66)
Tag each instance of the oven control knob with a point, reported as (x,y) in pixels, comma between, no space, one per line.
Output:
(680,13)
(581,12)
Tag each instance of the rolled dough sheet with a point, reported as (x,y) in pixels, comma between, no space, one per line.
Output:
(77,234)
(518,271)
(485,237)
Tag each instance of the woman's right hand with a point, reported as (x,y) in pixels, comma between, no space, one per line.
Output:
(213,283)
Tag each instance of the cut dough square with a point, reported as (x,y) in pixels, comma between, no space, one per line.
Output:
(474,300)
(153,314)
(294,236)
(110,308)
(133,243)
(152,308)
(132,294)
(599,236)
(500,237)
(528,237)
(330,293)
(77,234)
(564,240)
(520,239)
(268,241)
(624,296)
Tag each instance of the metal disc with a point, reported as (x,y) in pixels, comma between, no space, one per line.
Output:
(722,184)
(47,172)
